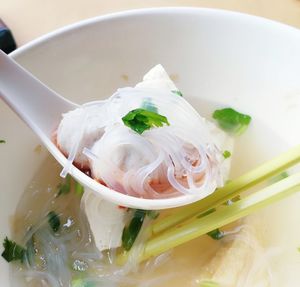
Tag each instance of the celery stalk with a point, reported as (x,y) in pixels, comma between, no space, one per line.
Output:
(230,190)
(199,226)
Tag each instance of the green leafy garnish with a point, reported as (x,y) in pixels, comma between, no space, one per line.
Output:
(64,188)
(232,121)
(79,189)
(140,120)
(216,234)
(226,154)
(131,231)
(2,141)
(177,92)
(12,251)
(54,221)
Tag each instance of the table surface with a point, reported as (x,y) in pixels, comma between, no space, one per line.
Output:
(29,19)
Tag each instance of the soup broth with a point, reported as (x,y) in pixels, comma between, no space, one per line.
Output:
(260,250)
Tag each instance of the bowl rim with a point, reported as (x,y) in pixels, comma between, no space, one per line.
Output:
(107,193)
(145,11)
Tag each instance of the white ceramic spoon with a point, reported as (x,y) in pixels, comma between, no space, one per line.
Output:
(41,109)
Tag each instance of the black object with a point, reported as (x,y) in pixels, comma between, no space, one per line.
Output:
(7,42)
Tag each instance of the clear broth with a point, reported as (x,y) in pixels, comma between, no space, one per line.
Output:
(247,256)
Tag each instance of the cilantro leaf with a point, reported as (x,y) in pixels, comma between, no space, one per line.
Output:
(226,154)
(54,221)
(177,92)
(12,251)
(131,231)
(232,121)
(216,234)
(140,120)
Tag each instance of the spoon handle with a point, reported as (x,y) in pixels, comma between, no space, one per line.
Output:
(36,104)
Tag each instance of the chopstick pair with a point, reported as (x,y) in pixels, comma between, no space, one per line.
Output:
(186,224)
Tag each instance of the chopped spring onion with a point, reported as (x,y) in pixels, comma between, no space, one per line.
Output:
(2,141)
(131,231)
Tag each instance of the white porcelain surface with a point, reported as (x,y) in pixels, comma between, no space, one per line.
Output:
(227,58)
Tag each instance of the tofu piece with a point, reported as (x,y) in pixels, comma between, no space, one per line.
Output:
(106,220)
(240,261)
(157,78)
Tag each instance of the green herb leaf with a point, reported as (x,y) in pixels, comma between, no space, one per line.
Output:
(140,120)
(12,251)
(226,154)
(216,234)
(2,141)
(177,92)
(79,189)
(54,221)
(64,188)
(131,231)
(232,121)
